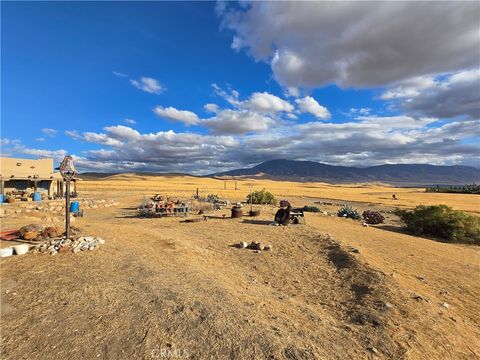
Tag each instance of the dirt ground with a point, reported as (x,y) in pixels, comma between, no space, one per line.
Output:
(162,288)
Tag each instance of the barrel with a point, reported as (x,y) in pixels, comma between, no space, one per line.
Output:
(37,196)
(1,198)
(75,207)
(254,213)
(237,212)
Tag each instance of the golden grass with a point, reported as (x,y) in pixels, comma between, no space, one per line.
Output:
(370,193)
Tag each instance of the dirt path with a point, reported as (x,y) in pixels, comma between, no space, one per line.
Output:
(163,289)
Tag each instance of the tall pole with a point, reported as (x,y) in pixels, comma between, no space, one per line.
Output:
(67,210)
(67,170)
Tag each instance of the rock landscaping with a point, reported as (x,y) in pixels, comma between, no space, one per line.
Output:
(55,246)
(54,206)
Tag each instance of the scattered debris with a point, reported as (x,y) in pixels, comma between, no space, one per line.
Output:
(372,349)
(422,279)
(194,220)
(255,245)
(354,250)
(419,297)
(445,305)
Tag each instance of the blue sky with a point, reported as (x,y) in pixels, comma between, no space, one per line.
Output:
(123,86)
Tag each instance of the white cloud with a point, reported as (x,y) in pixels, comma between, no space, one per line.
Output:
(292,92)
(409,87)
(49,132)
(148,84)
(266,103)
(40,139)
(356,44)
(184,116)
(129,121)
(358,111)
(310,105)
(72,133)
(237,122)
(366,140)
(213,108)
(119,74)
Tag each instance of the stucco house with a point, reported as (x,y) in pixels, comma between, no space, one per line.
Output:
(30,175)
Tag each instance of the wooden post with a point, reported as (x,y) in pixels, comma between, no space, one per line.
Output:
(224,185)
(235,184)
(67,210)
(197,193)
(2,186)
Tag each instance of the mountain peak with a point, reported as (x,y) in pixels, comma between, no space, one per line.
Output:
(405,174)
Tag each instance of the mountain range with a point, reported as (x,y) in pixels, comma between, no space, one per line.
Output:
(404,174)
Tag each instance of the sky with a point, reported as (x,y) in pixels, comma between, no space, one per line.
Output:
(202,87)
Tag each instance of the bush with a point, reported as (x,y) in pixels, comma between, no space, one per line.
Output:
(314,209)
(212,198)
(348,212)
(261,197)
(372,217)
(443,222)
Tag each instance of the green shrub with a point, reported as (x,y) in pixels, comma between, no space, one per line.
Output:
(372,217)
(443,222)
(348,212)
(261,197)
(314,209)
(212,198)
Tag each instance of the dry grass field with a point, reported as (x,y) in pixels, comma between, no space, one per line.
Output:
(379,194)
(165,289)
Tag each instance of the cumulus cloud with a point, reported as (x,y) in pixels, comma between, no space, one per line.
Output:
(184,116)
(237,122)
(49,132)
(356,44)
(363,141)
(259,112)
(444,96)
(148,84)
(263,102)
(266,103)
(309,105)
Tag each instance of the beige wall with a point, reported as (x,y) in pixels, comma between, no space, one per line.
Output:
(42,168)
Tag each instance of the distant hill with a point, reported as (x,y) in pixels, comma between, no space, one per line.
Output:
(404,174)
